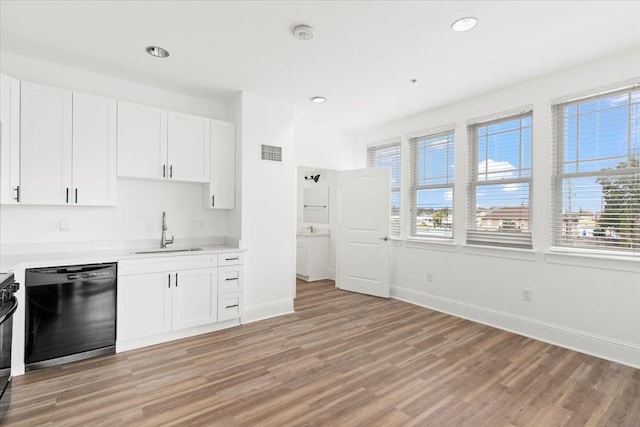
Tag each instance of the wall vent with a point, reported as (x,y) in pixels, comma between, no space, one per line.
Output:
(271,153)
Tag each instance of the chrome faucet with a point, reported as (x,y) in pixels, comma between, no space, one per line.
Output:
(164,241)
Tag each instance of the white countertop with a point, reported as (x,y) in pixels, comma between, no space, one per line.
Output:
(75,257)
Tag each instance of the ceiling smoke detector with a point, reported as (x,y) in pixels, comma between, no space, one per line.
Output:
(157,51)
(303,32)
(464,24)
(318,99)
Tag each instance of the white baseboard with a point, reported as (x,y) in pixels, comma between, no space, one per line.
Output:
(266,310)
(596,345)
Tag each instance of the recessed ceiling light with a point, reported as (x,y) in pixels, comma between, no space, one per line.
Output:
(303,32)
(157,51)
(464,24)
(318,99)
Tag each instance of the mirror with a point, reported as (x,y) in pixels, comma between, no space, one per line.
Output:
(316,205)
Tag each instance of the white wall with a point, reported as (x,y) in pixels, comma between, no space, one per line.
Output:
(320,146)
(268,206)
(583,303)
(140,203)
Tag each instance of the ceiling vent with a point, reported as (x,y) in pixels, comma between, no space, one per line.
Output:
(271,153)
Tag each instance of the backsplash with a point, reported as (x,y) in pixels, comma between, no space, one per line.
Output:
(137,216)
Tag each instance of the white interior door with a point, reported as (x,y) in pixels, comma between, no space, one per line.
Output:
(362,258)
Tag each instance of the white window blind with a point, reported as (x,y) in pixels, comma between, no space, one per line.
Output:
(431,176)
(500,182)
(387,155)
(596,165)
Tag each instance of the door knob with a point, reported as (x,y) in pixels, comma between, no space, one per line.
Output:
(385,238)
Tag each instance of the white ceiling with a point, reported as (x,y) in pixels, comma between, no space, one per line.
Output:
(362,58)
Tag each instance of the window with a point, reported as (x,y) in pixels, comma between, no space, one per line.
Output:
(431,186)
(597,172)
(387,155)
(500,182)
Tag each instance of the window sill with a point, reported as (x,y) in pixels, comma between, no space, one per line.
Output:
(431,245)
(499,252)
(593,260)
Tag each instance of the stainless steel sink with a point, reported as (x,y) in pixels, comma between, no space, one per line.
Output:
(166,251)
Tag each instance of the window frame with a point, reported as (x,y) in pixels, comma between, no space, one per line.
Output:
(382,145)
(559,175)
(414,185)
(503,239)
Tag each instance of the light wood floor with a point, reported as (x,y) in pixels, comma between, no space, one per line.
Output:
(341,359)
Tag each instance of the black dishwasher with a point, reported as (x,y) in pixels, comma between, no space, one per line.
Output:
(70,314)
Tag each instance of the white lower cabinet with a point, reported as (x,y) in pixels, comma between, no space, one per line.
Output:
(312,257)
(195,298)
(164,298)
(144,305)
(230,286)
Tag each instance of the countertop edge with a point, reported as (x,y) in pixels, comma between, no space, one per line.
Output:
(11,263)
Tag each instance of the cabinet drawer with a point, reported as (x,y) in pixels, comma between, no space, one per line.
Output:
(230,258)
(229,279)
(229,306)
(165,263)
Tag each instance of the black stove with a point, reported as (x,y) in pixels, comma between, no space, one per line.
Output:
(8,306)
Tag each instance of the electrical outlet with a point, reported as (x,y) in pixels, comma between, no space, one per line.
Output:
(526,295)
(429,277)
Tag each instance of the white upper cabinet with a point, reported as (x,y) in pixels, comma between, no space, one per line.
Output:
(220,193)
(9,140)
(142,141)
(188,147)
(68,148)
(155,143)
(94,150)
(46,145)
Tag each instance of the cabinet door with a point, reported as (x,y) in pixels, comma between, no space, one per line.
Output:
(195,298)
(301,256)
(94,150)
(144,305)
(45,159)
(142,141)
(9,139)
(189,139)
(223,166)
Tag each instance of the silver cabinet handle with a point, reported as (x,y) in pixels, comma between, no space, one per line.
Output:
(176,280)
(164,171)
(228,279)
(232,259)
(76,195)
(213,201)
(17,198)
(169,281)
(170,171)
(385,238)
(231,306)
